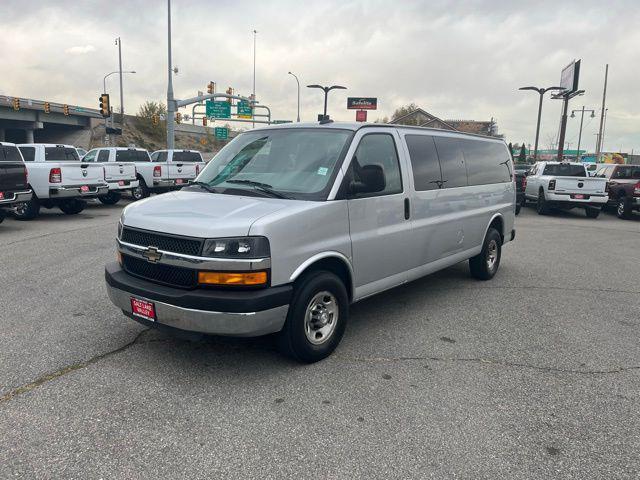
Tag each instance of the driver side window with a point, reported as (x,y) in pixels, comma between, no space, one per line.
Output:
(376,149)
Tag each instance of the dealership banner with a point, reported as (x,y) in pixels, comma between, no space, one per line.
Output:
(362,103)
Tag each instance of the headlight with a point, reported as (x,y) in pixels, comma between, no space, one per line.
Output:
(119,229)
(238,247)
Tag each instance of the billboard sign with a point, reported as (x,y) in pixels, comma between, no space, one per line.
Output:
(362,103)
(569,77)
(218,109)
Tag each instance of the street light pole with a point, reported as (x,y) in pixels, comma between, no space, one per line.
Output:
(170,101)
(298,82)
(326,91)
(541,92)
(582,110)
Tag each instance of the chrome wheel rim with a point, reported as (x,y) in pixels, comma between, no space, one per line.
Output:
(321,318)
(621,207)
(492,254)
(136,193)
(20,209)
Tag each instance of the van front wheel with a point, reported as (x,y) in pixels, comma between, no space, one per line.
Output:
(485,265)
(317,318)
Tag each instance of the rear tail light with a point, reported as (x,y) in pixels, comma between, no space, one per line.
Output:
(636,189)
(55,175)
(157,171)
(552,184)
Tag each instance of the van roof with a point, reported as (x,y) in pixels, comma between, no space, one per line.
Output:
(355,126)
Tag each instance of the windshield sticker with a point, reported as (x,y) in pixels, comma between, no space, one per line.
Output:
(322,171)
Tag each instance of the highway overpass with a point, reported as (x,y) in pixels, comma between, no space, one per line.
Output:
(31,123)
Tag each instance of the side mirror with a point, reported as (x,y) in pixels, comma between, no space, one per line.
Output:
(372,180)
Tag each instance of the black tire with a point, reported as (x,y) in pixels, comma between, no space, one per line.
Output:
(542,207)
(110,198)
(293,340)
(518,208)
(27,210)
(623,208)
(72,207)
(481,266)
(592,212)
(141,191)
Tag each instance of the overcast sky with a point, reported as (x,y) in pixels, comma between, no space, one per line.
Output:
(457,60)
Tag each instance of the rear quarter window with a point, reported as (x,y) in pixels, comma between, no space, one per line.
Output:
(60,154)
(186,157)
(487,162)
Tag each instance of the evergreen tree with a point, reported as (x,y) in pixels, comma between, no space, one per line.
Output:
(522,157)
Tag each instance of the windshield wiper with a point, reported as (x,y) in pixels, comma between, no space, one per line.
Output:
(205,186)
(263,187)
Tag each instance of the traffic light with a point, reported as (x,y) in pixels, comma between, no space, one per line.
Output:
(178,117)
(211,88)
(230,92)
(65,109)
(16,103)
(104,105)
(204,121)
(155,119)
(47,107)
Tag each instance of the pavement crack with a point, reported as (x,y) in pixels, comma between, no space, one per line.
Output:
(489,361)
(65,370)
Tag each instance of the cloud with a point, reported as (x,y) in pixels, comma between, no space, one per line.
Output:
(80,50)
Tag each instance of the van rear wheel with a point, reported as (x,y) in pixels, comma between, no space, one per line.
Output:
(485,265)
(317,318)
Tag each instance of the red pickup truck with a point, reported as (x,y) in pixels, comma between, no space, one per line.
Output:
(624,187)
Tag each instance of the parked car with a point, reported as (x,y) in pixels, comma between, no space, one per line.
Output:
(305,219)
(58,179)
(14,188)
(120,176)
(565,185)
(180,156)
(624,187)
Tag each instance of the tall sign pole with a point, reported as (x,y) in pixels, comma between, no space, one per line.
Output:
(604,97)
(563,127)
(119,42)
(171,108)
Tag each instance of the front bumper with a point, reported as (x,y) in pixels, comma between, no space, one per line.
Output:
(72,192)
(241,313)
(18,197)
(127,185)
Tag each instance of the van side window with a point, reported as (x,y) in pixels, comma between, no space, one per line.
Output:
(378,149)
(28,153)
(103,156)
(451,157)
(487,162)
(424,162)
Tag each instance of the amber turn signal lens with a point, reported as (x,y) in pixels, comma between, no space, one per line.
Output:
(232,278)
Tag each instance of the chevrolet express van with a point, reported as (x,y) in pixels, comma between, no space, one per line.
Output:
(288,225)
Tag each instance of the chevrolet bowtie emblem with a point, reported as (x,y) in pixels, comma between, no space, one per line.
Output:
(152,254)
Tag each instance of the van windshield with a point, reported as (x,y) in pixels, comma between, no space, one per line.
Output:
(298,163)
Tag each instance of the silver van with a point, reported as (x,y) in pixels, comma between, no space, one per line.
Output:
(288,225)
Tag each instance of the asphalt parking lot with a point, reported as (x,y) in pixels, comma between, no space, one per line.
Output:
(535,374)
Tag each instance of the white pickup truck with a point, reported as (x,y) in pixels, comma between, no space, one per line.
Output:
(58,179)
(120,176)
(565,185)
(154,176)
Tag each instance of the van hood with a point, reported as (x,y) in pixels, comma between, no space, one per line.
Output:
(200,214)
